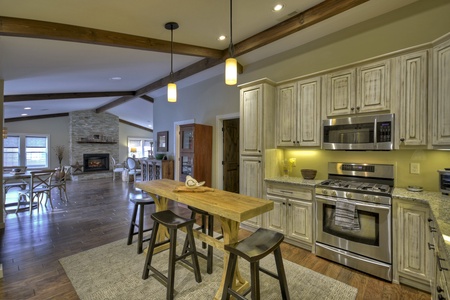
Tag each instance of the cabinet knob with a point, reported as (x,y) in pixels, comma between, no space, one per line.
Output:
(432,229)
(402,140)
(352,108)
(357,108)
(439,289)
(440,297)
(430,246)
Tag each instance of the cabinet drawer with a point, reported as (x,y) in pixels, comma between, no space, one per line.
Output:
(289,191)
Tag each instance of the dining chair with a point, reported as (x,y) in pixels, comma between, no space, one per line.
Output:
(133,168)
(60,183)
(40,185)
(116,167)
(19,183)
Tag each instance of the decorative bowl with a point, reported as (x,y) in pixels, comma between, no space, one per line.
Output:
(308,173)
(159,156)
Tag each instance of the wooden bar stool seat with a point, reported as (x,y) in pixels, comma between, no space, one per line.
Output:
(139,205)
(253,249)
(173,222)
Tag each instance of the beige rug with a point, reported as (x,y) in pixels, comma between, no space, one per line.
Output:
(114,271)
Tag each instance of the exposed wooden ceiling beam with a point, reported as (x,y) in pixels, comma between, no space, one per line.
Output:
(134,125)
(63,32)
(36,117)
(61,96)
(147,98)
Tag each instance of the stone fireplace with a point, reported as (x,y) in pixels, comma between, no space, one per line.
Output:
(95,135)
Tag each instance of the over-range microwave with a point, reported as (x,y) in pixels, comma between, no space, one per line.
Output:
(374,132)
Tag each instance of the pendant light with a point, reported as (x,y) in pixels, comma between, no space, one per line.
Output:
(171,87)
(231,62)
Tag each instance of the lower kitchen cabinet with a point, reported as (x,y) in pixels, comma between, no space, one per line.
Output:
(250,179)
(441,265)
(411,236)
(292,214)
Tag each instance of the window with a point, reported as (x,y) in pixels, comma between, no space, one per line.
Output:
(25,150)
(139,147)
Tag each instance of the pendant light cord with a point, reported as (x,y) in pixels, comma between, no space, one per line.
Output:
(231,46)
(171,54)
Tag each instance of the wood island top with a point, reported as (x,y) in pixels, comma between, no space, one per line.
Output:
(228,205)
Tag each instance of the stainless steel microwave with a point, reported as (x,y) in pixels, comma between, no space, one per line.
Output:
(359,133)
(444,181)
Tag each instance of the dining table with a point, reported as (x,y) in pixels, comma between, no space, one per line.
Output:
(230,208)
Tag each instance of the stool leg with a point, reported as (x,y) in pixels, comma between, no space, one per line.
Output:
(228,284)
(190,236)
(209,260)
(281,274)
(172,260)
(254,270)
(203,229)
(151,249)
(133,220)
(141,228)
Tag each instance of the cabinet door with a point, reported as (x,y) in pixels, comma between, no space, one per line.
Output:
(250,183)
(287,115)
(186,139)
(441,94)
(340,93)
(251,120)
(412,232)
(308,112)
(373,87)
(413,98)
(300,220)
(186,166)
(276,218)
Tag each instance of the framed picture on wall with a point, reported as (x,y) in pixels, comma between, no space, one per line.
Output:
(162,141)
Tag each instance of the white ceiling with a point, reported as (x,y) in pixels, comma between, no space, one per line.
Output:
(37,66)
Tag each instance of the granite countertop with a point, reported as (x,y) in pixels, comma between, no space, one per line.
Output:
(440,208)
(295,180)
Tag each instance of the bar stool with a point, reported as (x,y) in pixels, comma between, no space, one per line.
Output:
(253,249)
(173,222)
(209,230)
(139,204)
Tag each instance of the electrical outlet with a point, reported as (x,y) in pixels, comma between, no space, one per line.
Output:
(414,168)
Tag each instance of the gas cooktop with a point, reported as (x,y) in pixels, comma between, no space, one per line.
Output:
(356,185)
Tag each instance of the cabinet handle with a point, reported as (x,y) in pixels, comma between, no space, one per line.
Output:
(289,192)
(432,229)
(430,246)
(439,289)
(441,268)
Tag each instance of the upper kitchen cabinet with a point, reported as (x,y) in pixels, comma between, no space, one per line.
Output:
(412,104)
(362,89)
(441,94)
(257,117)
(298,114)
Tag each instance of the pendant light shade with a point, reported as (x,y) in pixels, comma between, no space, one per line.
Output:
(171,87)
(231,71)
(231,62)
(172,92)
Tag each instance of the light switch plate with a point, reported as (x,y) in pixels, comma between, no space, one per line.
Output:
(414,168)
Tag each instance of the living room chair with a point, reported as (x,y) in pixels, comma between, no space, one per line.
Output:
(40,185)
(133,168)
(116,168)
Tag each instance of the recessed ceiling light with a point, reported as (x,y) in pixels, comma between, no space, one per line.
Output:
(24,114)
(222,38)
(115,78)
(27,108)
(278,7)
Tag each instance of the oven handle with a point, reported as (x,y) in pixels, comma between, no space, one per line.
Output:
(332,200)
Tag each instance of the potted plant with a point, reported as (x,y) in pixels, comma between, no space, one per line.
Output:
(60,151)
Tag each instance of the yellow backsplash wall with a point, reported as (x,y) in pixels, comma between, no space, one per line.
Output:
(430,161)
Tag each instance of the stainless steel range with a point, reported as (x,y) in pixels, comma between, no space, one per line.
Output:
(353,221)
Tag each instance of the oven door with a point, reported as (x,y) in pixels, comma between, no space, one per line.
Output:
(372,240)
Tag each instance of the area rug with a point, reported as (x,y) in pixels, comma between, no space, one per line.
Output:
(113,271)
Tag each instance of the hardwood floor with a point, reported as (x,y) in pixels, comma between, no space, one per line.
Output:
(98,212)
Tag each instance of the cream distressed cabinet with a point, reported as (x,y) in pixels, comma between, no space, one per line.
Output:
(292,214)
(257,133)
(361,89)
(298,113)
(411,236)
(411,114)
(441,94)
